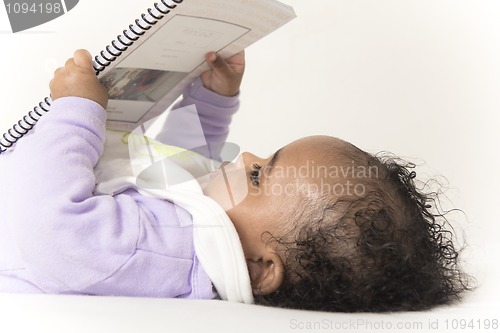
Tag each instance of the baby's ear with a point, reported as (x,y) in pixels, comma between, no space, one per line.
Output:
(266,274)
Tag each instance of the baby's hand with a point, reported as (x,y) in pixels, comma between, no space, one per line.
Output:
(77,78)
(224,76)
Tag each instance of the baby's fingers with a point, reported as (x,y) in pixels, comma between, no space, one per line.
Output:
(237,59)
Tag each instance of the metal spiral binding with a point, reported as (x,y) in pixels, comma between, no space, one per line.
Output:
(101,61)
(24,125)
(132,34)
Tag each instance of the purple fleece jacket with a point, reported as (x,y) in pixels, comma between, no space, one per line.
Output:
(56,236)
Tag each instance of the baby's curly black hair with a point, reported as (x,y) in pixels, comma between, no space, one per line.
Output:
(386,251)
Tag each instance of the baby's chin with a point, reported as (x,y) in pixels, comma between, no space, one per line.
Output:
(204,181)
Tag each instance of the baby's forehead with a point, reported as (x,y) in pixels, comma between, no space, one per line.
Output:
(319,144)
(322,150)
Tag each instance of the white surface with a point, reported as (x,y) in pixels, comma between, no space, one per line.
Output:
(418,78)
(51,313)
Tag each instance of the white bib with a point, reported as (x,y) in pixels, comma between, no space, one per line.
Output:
(167,172)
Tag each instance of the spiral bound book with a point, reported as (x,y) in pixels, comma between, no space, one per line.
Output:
(146,68)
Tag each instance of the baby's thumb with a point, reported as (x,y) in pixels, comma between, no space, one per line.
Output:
(83,58)
(216,62)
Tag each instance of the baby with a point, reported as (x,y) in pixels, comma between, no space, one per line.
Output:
(322,224)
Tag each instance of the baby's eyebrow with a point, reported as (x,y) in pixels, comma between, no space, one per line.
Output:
(273,161)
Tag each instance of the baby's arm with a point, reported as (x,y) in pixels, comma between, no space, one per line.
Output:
(68,239)
(215,95)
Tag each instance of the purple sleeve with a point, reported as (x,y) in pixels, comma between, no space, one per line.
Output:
(74,242)
(214,112)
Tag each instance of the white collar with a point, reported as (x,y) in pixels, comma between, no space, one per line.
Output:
(216,240)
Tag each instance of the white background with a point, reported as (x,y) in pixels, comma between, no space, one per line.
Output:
(418,78)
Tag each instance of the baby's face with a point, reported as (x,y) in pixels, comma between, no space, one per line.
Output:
(260,195)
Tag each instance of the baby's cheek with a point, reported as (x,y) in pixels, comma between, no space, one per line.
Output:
(228,189)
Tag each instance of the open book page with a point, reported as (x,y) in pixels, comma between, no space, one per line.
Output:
(147,78)
(162,62)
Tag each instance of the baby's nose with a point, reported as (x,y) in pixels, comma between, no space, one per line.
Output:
(250,158)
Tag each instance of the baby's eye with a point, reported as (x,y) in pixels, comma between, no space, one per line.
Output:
(255,175)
